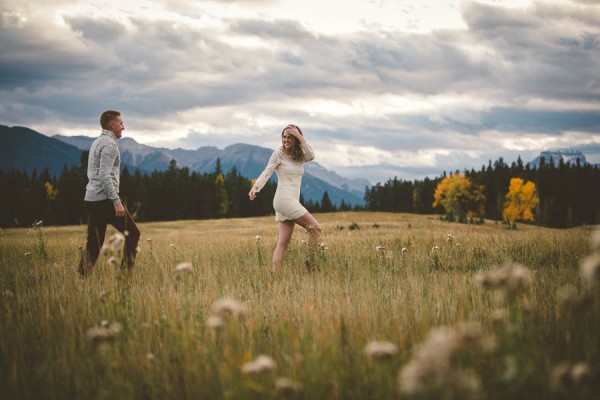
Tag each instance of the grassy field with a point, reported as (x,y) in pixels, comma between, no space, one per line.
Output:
(447,320)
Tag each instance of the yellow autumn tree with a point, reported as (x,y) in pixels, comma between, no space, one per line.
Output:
(459,197)
(221,195)
(521,199)
(51,192)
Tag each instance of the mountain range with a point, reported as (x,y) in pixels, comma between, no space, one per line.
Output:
(25,149)
(567,156)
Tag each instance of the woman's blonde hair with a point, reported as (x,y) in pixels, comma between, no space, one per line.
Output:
(297,154)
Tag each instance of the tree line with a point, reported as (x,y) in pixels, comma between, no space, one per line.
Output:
(173,194)
(569,194)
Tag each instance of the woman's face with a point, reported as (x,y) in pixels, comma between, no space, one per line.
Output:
(287,138)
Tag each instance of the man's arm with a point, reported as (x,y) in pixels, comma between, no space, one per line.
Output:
(108,156)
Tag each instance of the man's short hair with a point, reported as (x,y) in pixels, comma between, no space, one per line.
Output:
(108,116)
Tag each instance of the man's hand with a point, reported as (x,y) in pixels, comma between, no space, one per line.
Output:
(119,210)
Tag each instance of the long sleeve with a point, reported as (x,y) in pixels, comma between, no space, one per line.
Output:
(274,161)
(309,154)
(108,157)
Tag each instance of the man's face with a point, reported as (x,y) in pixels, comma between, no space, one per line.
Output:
(117,127)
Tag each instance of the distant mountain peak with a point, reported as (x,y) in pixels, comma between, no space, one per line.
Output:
(248,159)
(567,155)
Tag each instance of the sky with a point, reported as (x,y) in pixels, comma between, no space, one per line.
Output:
(380,88)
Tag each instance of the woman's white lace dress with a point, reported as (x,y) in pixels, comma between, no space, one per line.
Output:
(289,177)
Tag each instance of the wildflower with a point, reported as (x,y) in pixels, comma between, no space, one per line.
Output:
(257,238)
(380,248)
(228,308)
(112,261)
(435,249)
(287,386)
(322,246)
(214,322)
(27,254)
(116,240)
(114,244)
(183,267)
(104,323)
(404,250)
(377,349)
(571,299)
(149,240)
(431,366)
(499,315)
(303,241)
(37,223)
(580,373)
(449,238)
(564,376)
(258,365)
(590,269)
(149,356)
(512,278)
(172,246)
(103,334)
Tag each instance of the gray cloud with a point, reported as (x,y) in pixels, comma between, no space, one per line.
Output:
(155,69)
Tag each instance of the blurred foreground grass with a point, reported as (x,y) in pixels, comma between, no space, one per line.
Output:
(414,284)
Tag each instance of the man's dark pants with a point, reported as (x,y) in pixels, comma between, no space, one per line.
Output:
(100,214)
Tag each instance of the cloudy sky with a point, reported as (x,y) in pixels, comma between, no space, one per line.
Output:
(381,88)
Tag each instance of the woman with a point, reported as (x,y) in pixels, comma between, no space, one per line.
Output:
(287,162)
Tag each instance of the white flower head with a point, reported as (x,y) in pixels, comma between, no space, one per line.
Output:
(287,386)
(380,349)
(259,365)
(228,307)
(100,334)
(590,269)
(404,250)
(257,238)
(214,322)
(380,248)
(183,267)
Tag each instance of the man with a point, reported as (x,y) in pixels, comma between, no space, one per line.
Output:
(102,195)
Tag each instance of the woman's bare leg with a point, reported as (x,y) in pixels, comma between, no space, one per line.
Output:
(308,222)
(286,228)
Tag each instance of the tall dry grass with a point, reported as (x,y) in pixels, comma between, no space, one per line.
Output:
(154,333)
